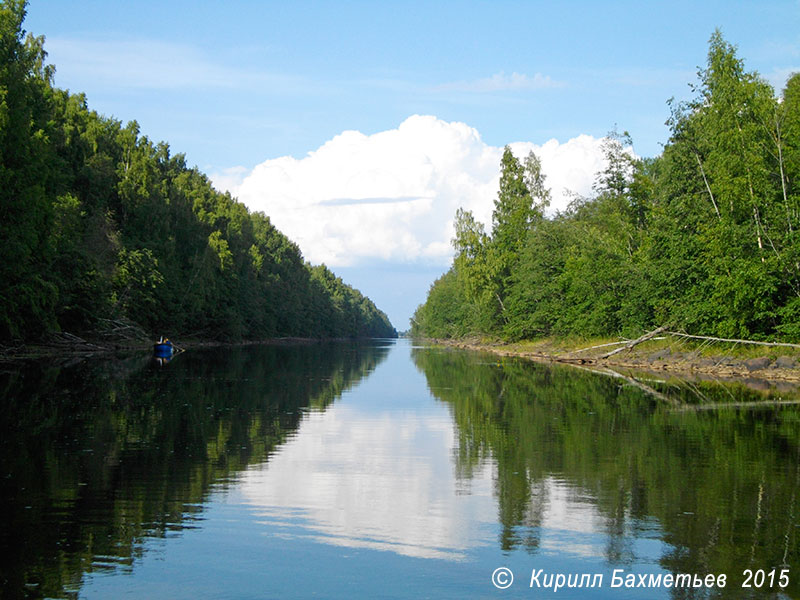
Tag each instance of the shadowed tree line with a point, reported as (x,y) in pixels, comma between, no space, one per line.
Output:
(98,224)
(96,458)
(721,488)
(703,237)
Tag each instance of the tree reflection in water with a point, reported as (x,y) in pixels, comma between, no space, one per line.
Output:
(99,456)
(718,486)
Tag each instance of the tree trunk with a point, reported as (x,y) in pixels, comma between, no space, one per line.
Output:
(708,187)
(638,340)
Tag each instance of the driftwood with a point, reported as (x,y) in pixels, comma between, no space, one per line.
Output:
(638,340)
(716,339)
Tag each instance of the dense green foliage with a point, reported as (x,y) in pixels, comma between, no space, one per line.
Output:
(703,237)
(98,222)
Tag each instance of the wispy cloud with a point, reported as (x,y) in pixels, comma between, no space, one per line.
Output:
(775,49)
(499,82)
(502,82)
(156,65)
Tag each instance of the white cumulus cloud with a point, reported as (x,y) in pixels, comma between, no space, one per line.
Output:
(392,195)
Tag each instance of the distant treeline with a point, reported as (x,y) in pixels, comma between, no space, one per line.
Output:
(97,222)
(705,237)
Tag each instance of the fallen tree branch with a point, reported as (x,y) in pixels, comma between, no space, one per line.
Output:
(638,340)
(606,344)
(716,339)
(599,346)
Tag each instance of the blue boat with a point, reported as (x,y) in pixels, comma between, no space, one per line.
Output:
(163,348)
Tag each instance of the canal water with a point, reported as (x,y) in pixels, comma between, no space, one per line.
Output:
(386,469)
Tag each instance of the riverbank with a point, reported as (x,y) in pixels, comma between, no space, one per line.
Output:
(64,344)
(664,354)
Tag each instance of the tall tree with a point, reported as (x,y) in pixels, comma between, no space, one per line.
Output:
(741,247)
(26,178)
(521,200)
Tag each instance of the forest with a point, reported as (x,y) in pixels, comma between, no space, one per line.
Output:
(702,238)
(101,227)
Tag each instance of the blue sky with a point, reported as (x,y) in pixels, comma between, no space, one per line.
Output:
(237,85)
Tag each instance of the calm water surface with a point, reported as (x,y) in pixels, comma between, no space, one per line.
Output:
(384,470)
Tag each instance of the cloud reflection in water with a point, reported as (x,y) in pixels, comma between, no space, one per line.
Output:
(386,481)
